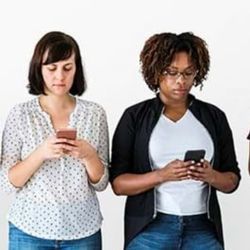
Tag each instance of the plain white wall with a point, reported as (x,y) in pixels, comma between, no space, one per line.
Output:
(111,35)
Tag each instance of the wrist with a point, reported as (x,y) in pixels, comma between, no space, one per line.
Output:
(38,155)
(89,158)
(159,176)
(213,178)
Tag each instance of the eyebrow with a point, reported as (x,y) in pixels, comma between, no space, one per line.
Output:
(173,67)
(55,64)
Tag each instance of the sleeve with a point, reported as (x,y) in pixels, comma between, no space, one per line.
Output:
(11,149)
(103,151)
(122,146)
(228,161)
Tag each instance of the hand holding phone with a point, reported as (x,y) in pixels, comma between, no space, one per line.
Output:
(194,155)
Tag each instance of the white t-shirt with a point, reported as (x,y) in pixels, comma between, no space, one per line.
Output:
(169,141)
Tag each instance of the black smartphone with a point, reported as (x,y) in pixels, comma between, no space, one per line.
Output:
(194,155)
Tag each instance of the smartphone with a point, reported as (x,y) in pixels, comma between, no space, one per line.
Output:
(194,155)
(68,133)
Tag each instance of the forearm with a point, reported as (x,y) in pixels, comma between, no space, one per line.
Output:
(94,168)
(133,184)
(225,182)
(20,173)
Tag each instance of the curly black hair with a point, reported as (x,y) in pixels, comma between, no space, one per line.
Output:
(159,50)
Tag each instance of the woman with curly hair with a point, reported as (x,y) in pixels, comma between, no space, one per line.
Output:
(172,201)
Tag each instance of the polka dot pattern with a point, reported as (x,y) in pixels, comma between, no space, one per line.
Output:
(58,202)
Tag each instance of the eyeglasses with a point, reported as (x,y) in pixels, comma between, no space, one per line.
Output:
(173,75)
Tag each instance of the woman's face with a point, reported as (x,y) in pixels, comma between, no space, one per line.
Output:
(177,80)
(59,76)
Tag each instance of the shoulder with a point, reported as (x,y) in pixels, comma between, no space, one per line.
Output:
(19,113)
(90,106)
(135,115)
(142,106)
(24,107)
(209,108)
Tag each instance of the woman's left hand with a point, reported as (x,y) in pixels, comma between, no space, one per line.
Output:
(202,171)
(223,181)
(80,149)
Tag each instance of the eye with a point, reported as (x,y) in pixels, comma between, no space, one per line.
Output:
(51,68)
(67,68)
(172,72)
(189,73)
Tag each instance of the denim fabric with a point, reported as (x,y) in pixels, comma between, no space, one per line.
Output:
(18,240)
(171,232)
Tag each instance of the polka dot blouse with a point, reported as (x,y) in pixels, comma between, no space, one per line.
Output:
(58,202)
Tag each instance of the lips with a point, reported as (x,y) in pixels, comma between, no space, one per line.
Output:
(180,90)
(59,85)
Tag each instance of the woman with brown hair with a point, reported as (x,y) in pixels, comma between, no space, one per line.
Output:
(55,175)
(172,201)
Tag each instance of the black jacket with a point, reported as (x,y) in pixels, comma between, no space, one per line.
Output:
(130,154)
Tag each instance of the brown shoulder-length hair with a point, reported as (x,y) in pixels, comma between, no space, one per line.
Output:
(59,46)
(159,50)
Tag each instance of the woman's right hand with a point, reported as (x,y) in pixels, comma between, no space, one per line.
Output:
(21,172)
(51,148)
(133,184)
(176,170)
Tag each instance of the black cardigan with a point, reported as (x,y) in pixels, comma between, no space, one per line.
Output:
(130,155)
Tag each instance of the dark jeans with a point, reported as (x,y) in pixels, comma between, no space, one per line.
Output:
(18,240)
(171,232)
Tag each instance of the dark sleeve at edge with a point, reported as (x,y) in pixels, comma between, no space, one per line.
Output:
(228,160)
(122,146)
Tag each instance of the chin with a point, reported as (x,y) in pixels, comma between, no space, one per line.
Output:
(57,93)
(180,96)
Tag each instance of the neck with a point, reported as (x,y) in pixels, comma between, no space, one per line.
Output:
(56,102)
(174,104)
(174,109)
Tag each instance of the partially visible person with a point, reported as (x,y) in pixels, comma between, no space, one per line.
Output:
(55,179)
(248,137)
(172,203)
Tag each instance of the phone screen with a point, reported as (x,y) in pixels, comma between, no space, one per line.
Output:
(194,155)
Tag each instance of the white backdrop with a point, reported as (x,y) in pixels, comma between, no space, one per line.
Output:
(111,35)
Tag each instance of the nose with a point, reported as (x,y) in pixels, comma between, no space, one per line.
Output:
(59,74)
(180,79)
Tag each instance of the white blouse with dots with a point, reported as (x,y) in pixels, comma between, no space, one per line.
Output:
(58,202)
